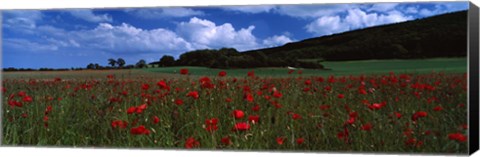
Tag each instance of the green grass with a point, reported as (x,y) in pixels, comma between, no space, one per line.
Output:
(83,115)
(450,65)
(83,108)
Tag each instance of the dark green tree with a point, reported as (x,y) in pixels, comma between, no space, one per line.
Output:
(91,66)
(141,64)
(112,62)
(166,61)
(120,62)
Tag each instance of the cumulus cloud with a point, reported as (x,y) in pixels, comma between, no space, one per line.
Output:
(203,33)
(127,39)
(327,25)
(157,13)
(276,40)
(355,19)
(88,15)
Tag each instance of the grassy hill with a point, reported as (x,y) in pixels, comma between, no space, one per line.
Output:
(438,36)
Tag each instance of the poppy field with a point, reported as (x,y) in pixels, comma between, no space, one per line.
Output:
(389,112)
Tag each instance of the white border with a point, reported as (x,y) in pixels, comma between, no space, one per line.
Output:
(82,152)
(52,4)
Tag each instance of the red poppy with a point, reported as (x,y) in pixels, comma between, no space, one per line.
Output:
(341,96)
(362,91)
(253,119)
(413,142)
(139,130)
(212,121)
(191,143)
(306,89)
(277,94)
(248,97)
(419,114)
(428,132)
(398,115)
(256,108)
(27,99)
(21,93)
(130,110)
(45,118)
(324,107)
(193,94)
(241,126)
(119,124)
(238,114)
(222,73)
(300,140)
(140,108)
(226,140)
(308,82)
(145,86)
(184,71)
(375,106)
(228,100)
(251,74)
(48,109)
(211,128)
(280,140)
(353,114)
(351,120)
(367,127)
(438,108)
(156,119)
(296,116)
(179,101)
(163,85)
(457,137)
(343,134)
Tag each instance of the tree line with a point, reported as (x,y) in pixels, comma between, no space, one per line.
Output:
(114,64)
(230,58)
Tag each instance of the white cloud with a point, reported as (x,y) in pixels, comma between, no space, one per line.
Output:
(411,10)
(383,7)
(203,33)
(276,40)
(127,39)
(89,16)
(251,9)
(327,25)
(354,19)
(30,46)
(157,13)
(313,11)
(21,20)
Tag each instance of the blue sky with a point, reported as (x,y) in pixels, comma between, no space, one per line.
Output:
(77,37)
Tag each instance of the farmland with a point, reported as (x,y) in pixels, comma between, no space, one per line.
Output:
(362,106)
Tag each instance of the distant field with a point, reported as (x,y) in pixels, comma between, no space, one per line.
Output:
(455,65)
(450,65)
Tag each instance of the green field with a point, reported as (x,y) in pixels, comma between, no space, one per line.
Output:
(159,108)
(455,65)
